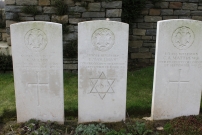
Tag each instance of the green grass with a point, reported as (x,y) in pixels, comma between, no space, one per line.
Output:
(7,96)
(139,93)
(139,97)
(71,94)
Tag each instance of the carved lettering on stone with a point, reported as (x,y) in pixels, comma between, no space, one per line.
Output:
(102,71)
(178,61)
(38,71)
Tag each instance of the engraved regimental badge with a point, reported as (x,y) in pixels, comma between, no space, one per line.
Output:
(183,38)
(103,39)
(35,40)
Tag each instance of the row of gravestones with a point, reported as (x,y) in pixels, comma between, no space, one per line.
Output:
(102,70)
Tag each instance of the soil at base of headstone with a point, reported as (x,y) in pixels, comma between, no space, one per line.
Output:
(1,128)
(185,125)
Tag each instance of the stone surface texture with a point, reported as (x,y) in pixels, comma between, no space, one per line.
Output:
(94,7)
(77,11)
(38,71)
(177,76)
(5,48)
(26,2)
(44,2)
(8,2)
(60,19)
(86,10)
(144,28)
(102,71)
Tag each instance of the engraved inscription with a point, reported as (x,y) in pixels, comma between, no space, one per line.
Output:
(38,85)
(35,40)
(103,39)
(183,38)
(102,85)
(107,61)
(181,59)
(37,62)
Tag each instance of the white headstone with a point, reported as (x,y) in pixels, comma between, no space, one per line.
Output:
(38,71)
(102,71)
(178,69)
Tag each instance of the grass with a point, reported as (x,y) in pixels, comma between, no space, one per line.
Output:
(139,93)
(71,95)
(7,96)
(139,97)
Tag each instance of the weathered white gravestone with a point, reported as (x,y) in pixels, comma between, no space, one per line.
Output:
(38,71)
(178,69)
(102,71)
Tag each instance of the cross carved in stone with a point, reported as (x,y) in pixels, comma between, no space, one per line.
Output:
(179,81)
(38,84)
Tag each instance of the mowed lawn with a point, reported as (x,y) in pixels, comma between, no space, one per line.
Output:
(139,94)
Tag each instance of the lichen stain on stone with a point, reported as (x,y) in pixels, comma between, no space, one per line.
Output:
(85,79)
(55,89)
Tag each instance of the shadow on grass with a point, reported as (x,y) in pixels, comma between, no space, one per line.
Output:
(71,113)
(132,111)
(8,115)
(138,111)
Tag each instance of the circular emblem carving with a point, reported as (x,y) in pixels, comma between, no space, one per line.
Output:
(103,39)
(183,38)
(35,40)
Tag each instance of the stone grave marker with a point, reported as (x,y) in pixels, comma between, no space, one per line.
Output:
(102,71)
(38,71)
(178,69)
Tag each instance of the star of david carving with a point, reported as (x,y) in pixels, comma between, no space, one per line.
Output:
(102,85)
